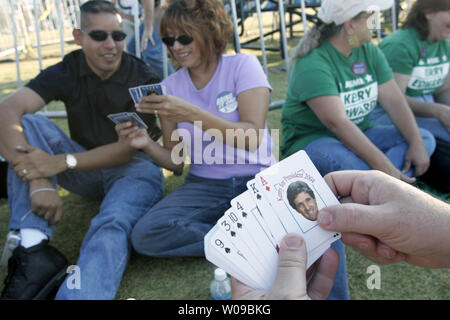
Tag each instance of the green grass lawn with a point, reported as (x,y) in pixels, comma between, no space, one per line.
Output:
(189,278)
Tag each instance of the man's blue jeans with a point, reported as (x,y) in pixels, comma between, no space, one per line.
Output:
(329,154)
(176,225)
(152,55)
(127,192)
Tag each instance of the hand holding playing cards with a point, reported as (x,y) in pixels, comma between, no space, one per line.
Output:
(173,108)
(291,280)
(135,137)
(389,221)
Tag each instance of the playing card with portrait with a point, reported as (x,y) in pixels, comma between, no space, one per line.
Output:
(284,198)
(296,192)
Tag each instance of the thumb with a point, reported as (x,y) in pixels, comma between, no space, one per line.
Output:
(353,217)
(407,165)
(290,282)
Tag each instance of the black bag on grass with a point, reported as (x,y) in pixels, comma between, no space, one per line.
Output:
(3,172)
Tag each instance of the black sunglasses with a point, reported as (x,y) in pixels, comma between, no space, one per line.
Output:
(100,35)
(184,39)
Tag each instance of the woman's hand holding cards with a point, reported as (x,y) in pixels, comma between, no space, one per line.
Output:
(172,108)
(132,135)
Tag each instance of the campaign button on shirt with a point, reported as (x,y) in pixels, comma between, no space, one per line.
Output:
(226,102)
(359,68)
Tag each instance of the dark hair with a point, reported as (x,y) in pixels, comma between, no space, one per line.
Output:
(416,16)
(204,20)
(295,188)
(95,7)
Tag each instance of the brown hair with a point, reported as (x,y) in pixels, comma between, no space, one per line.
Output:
(204,20)
(416,16)
(314,37)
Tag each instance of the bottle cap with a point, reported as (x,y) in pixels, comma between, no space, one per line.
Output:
(220,274)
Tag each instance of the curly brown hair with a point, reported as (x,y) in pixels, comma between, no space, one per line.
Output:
(416,16)
(204,20)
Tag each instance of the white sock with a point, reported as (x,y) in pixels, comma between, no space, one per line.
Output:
(31,237)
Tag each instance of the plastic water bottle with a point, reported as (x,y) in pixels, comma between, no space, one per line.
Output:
(220,286)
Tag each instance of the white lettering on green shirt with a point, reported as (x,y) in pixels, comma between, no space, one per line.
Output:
(360,102)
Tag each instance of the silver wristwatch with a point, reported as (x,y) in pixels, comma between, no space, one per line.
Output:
(71,161)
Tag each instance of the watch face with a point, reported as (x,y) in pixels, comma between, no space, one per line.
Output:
(71,161)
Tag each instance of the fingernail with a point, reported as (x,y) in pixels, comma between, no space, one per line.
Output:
(363,246)
(324,219)
(293,241)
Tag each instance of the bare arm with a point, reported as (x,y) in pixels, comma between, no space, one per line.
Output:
(39,163)
(394,102)
(443,95)
(149,13)
(165,156)
(439,110)
(331,112)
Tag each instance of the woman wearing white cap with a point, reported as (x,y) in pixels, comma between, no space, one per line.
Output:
(419,55)
(337,79)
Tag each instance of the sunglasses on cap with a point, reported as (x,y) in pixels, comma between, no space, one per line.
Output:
(100,35)
(184,39)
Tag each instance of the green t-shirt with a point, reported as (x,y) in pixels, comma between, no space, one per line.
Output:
(426,61)
(325,72)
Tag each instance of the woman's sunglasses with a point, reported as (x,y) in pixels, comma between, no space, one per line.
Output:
(184,39)
(100,35)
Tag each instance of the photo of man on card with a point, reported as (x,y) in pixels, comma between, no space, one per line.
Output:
(302,199)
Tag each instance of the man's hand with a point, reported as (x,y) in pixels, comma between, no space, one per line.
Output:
(291,280)
(34,163)
(46,204)
(389,221)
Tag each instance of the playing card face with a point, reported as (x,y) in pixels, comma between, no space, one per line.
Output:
(240,238)
(284,198)
(127,116)
(248,233)
(296,192)
(267,216)
(221,252)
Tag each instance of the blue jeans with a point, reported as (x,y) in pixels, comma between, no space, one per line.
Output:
(379,116)
(176,225)
(152,55)
(127,192)
(329,154)
(438,174)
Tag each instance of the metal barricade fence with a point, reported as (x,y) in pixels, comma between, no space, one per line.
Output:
(28,25)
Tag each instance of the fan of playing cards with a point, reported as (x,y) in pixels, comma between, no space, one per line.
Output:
(136,94)
(284,198)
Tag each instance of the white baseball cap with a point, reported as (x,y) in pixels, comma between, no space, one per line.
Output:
(340,11)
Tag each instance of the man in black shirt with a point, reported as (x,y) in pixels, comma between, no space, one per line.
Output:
(92,82)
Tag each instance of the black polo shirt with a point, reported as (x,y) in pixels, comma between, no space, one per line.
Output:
(89,100)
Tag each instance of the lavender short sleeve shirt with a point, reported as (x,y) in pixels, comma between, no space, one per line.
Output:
(210,158)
